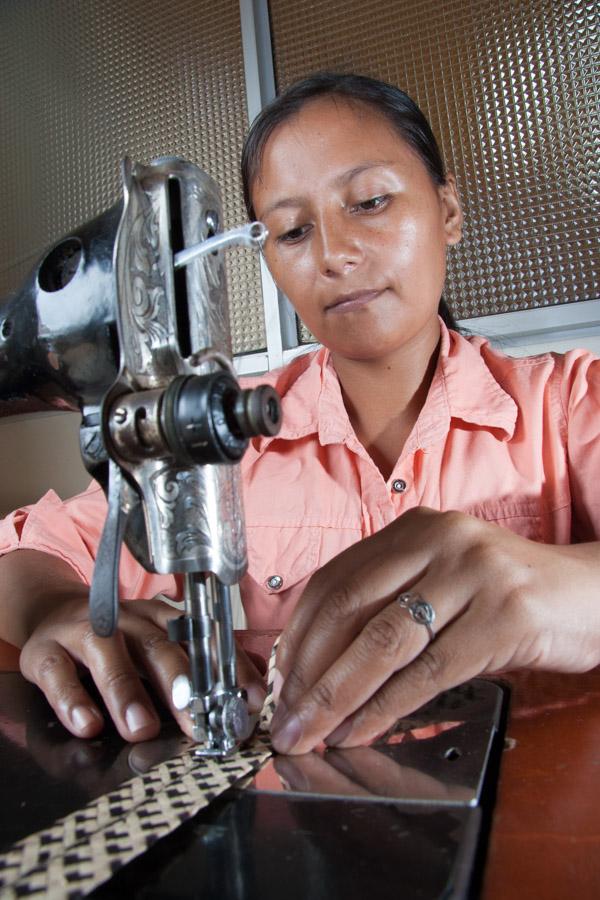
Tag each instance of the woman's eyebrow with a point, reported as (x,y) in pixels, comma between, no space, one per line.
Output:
(280,204)
(346,177)
(340,180)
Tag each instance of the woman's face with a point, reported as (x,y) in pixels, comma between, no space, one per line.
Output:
(357,228)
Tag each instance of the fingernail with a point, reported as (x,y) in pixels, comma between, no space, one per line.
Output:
(279,715)
(277,684)
(256,697)
(287,734)
(181,692)
(138,717)
(339,734)
(82,717)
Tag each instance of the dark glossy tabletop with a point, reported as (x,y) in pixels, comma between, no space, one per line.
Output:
(545,836)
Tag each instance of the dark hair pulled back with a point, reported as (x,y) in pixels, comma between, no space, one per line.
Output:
(400,110)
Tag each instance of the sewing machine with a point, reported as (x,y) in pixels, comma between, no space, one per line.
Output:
(126,320)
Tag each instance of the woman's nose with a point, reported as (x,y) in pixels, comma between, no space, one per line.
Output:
(340,250)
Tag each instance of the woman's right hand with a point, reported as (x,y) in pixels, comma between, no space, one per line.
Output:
(52,626)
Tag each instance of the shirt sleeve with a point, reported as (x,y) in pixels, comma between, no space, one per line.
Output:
(581,404)
(71,530)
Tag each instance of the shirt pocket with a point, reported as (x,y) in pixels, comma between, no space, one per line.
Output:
(280,557)
(526,516)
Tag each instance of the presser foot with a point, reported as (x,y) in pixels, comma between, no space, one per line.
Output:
(221,721)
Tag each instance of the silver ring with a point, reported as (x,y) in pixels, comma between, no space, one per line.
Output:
(420,610)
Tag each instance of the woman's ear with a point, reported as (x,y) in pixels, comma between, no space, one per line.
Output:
(453,217)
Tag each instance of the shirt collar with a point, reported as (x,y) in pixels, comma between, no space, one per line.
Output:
(473,393)
(463,387)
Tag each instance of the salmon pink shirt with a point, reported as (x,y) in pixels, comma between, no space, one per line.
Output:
(512,441)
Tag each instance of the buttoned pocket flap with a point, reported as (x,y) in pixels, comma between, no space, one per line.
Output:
(281,557)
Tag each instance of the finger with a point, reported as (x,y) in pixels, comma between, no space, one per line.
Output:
(388,641)
(336,599)
(457,654)
(311,774)
(247,673)
(369,571)
(250,678)
(345,595)
(162,660)
(119,684)
(50,667)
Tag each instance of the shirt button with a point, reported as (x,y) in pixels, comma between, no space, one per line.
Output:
(275,582)
(399,485)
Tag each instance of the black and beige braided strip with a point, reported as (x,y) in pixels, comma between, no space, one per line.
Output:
(85,848)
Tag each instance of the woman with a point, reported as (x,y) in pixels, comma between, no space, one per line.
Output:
(399,432)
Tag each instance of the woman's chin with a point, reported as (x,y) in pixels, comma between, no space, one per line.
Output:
(360,351)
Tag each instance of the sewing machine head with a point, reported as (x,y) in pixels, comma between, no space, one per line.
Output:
(126,320)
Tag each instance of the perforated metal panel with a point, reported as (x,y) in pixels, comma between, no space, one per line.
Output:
(512,90)
(84,84)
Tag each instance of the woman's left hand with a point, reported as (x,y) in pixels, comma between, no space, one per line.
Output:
(352,660)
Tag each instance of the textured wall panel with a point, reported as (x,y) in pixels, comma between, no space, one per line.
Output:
(84,83)
(512,90)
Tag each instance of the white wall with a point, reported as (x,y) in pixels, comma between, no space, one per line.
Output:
(38,452)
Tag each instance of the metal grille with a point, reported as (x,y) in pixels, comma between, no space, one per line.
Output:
(512,90)
(84,84)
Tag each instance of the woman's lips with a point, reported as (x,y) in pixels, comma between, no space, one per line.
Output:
(349,302)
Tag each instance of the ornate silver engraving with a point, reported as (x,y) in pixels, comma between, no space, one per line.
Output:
(193,516)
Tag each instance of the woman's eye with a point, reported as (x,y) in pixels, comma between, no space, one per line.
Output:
(371,204)
(293,235)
